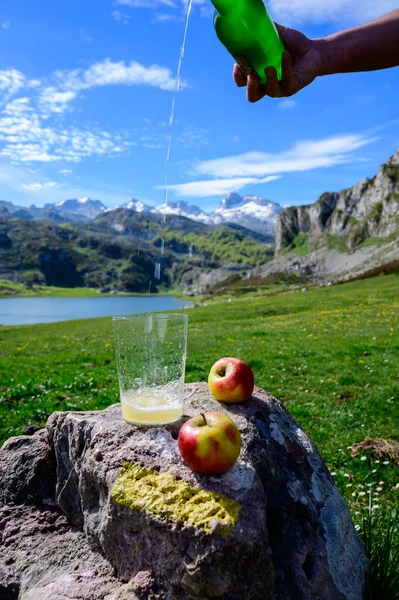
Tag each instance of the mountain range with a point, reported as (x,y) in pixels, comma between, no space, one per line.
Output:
(82,210)
(136,247)
(121,249)
(252,212)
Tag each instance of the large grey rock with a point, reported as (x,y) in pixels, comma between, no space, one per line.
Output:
(27,467)
(274,527)
(197,280)
(43,558)
(324,264)
(186,558)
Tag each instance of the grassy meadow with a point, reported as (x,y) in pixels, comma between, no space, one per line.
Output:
(10,289)
(330,354)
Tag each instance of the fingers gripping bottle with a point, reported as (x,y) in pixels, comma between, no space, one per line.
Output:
(249,34)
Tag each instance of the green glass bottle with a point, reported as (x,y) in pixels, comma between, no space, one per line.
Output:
(249,34)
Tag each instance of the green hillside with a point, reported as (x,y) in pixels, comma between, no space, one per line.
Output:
(119,252)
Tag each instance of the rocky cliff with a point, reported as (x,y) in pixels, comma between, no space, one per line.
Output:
(368,209)
(344,235)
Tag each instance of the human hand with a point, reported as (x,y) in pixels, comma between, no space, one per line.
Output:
(301,64)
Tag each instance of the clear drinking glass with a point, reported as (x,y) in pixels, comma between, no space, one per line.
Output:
(151,359)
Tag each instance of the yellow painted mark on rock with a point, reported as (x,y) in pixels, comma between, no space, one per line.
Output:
(163,496)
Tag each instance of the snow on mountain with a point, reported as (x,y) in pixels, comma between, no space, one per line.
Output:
(253,212)
(181,208)
(231,201)
(184,209)
(84,207)
(139,206)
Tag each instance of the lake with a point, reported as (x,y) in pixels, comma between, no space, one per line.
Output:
(23,311)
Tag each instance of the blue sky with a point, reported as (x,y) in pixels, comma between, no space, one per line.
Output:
(86,91)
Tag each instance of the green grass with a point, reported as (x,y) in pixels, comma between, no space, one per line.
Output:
(336,242)
(299,246)
(379,241)
(330,354)
(302,245)
(223,244)
(380,537)
(9,289)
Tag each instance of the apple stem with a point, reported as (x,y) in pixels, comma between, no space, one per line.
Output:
(203,416)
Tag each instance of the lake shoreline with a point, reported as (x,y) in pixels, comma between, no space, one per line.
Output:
(38,310)
(9,289)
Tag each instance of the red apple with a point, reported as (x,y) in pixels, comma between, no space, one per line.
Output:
(231,380)
(210,443)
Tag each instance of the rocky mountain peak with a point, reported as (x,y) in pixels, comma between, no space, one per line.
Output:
(180,208)
(137,205)
(232,200)
(368,209)
(259,201)
(253,212)
(85,207)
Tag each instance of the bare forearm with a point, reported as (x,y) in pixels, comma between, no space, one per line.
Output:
(372,46)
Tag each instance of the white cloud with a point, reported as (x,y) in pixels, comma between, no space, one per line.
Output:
(121,17)
(58,97)
(297,12)
(18,107)
(232,173)
(33,83)
(219,187)
(27,133)
(5,25)
(65,172)
(152,141)
(68,83)
(38,187)
(193,139)
(11,81)
(65,85)
(167,17)
(25,139)
(303,156)
(286,104)
(53,101)
(120,73)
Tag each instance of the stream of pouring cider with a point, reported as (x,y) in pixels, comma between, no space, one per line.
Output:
(246,29)
(155,405)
